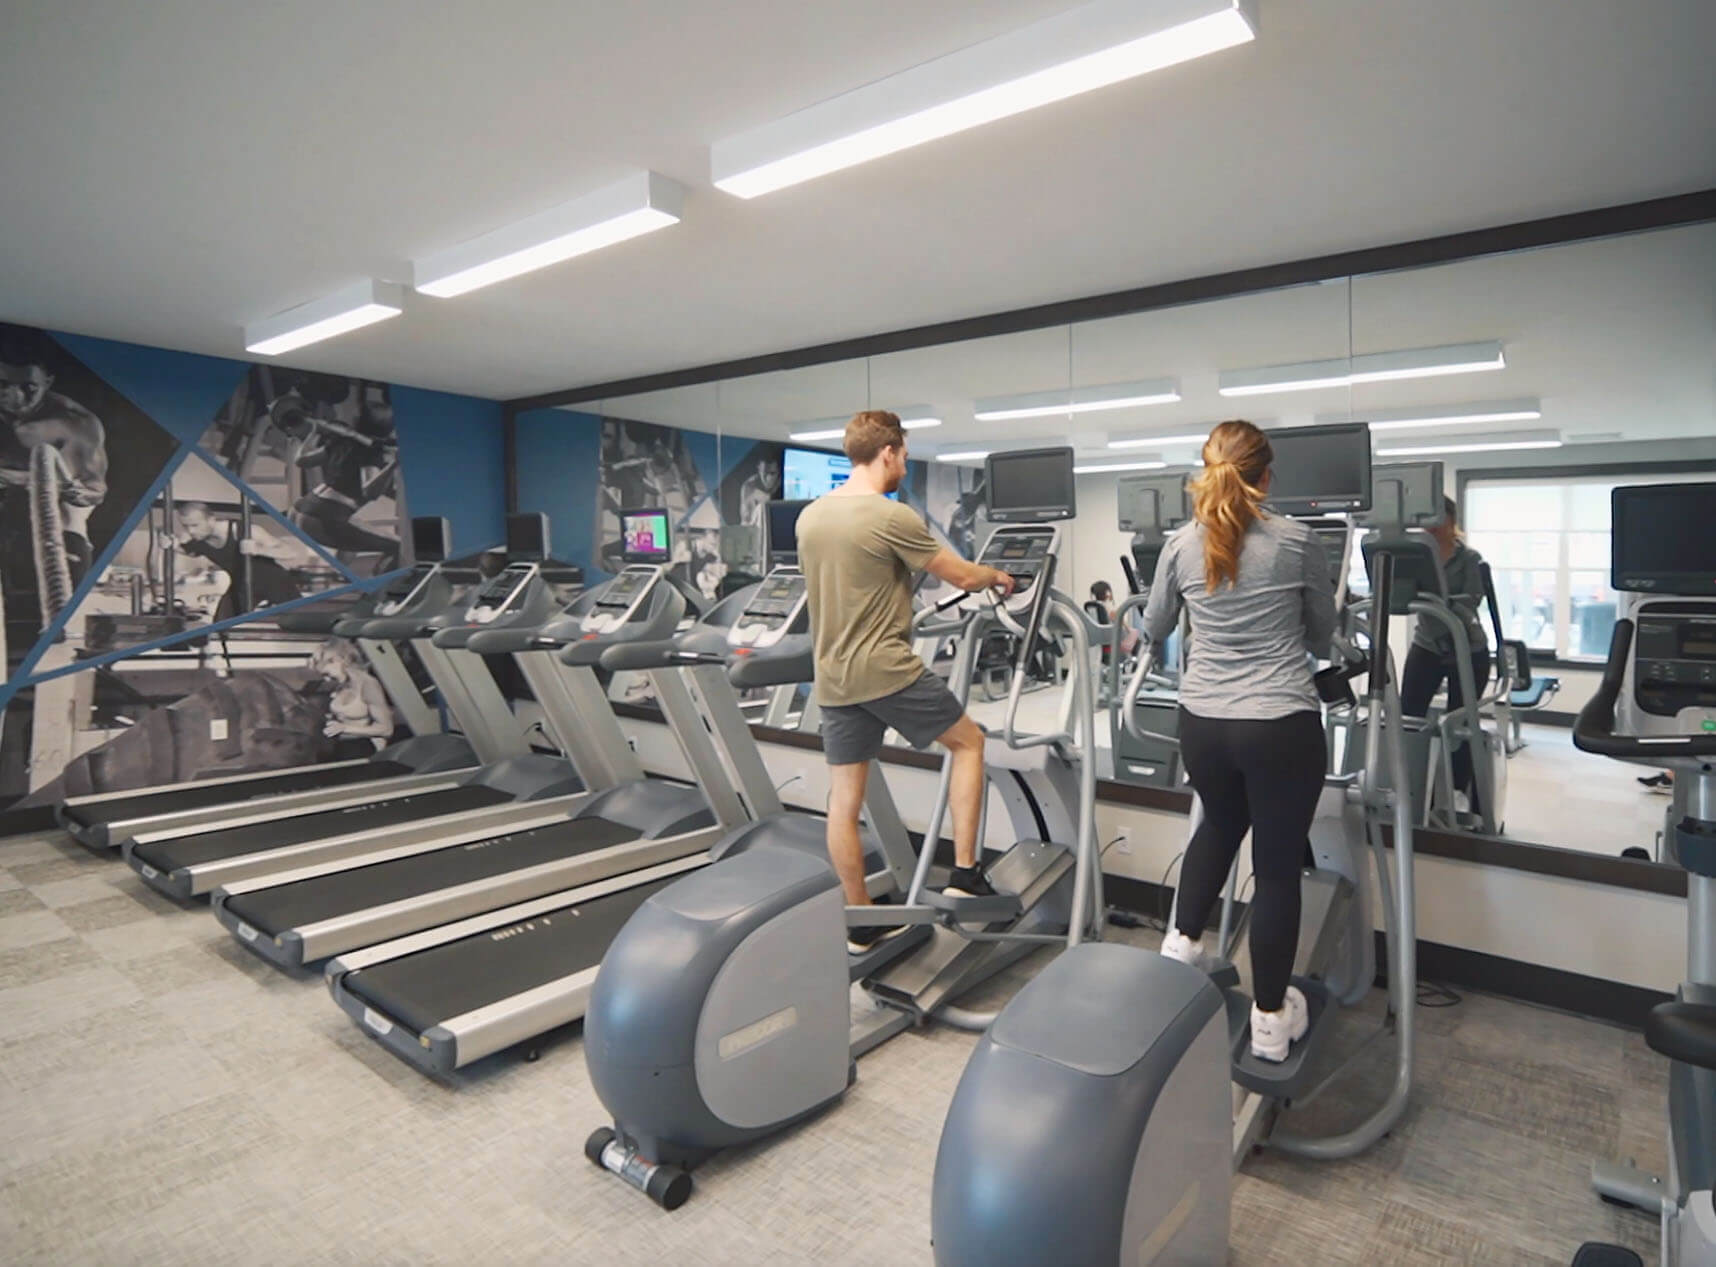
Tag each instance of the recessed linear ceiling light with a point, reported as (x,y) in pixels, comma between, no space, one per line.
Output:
(975,455)
(350,309)
(1152,442)
(1427,416)
(1475,444)
(625,209)
(835,433)
(1372,367)
(1079,400)
(1093,467)
(1074,52)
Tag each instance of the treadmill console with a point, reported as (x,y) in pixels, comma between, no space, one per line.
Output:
(618,602)
(402,590)
(772,611)
(1674,665)
(1023,552)
(500,592)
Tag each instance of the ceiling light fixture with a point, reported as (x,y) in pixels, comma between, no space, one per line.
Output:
(345,310)
(1372,367)
(1095,467)
(1078,400)
(821,432)
(1505,442)
(626,209)
(1427,416)
(1152,442)
(975,455)
(1086,48)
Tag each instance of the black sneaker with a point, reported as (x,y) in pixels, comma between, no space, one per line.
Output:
(863,938)
(1656,780)
(968,882)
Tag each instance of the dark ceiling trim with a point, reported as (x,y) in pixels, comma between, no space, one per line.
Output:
(1635,217)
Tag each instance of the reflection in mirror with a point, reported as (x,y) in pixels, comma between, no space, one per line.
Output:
(1602,380)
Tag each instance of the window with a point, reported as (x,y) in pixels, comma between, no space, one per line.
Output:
(1547,543)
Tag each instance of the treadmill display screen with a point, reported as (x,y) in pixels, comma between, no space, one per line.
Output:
(643,536)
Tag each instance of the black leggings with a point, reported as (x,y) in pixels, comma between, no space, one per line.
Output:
(1263,777)
(1421,679)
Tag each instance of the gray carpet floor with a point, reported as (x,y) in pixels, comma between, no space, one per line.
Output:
(168,1098)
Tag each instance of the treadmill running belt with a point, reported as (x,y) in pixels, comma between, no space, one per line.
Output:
(437,984)
(284,906)
(234,842)
(173,800)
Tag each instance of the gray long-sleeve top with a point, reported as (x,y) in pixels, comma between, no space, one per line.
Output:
(1464,571)
(1252,645)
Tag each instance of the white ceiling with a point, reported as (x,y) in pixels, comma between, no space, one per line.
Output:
(1615,337)
(175,169)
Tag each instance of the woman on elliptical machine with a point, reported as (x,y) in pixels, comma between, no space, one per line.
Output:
(1262,608)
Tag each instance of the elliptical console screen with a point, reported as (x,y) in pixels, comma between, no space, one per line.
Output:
(430,539)
(1321,469)
(1030,486)
(1664,538)
(1153,503)
(783,528)
(643,536)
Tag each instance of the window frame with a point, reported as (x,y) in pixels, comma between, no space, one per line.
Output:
(1464,478)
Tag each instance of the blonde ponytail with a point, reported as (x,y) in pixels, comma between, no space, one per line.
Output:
(1228,497)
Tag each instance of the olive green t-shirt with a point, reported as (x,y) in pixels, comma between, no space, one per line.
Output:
(858,552)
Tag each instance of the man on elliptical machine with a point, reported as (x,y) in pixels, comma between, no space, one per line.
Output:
(859,551)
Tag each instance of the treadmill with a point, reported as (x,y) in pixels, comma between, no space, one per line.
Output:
(188,864)
(443,998)
(104,820)
(302,916)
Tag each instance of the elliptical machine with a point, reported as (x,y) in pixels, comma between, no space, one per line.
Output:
(1657,707)
(1096,1121)
(722,1012)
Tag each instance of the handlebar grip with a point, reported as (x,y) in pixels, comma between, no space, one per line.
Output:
(634,655)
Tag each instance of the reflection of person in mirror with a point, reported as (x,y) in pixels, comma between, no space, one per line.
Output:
(33,417)
(204,535)
(360,719)
(355,464)
(962,524)
(1430,662)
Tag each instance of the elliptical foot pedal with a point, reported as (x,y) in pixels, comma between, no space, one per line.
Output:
(1002,908)
(1288,1078)
(1596,1254)
(885,952)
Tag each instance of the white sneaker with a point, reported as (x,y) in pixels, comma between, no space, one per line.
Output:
(1272,1033)
(1176,945)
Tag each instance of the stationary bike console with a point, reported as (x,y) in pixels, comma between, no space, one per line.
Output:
(772,611)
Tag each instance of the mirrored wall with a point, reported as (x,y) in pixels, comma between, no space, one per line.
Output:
(1540,379)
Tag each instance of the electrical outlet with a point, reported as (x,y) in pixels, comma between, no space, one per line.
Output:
(217,728)
(1123,840)
(632,742)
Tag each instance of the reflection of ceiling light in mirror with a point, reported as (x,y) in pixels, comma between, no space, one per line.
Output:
(1078,400)
(339,313)
(1094,467)
(837,432)
(975,455)
(1147,442)
(1503,442)
(1086,48)
(1427,416)
(1372,367)
(626,209)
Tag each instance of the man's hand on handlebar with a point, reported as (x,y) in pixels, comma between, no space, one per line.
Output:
(1001,581)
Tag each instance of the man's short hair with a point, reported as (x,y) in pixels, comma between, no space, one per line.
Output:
(870,432)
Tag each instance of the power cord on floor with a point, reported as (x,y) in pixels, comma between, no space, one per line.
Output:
(1434,994)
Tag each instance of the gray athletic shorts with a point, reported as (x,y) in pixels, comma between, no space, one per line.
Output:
(852,733)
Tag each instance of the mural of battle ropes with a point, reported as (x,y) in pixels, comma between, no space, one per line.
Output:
(143,683)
